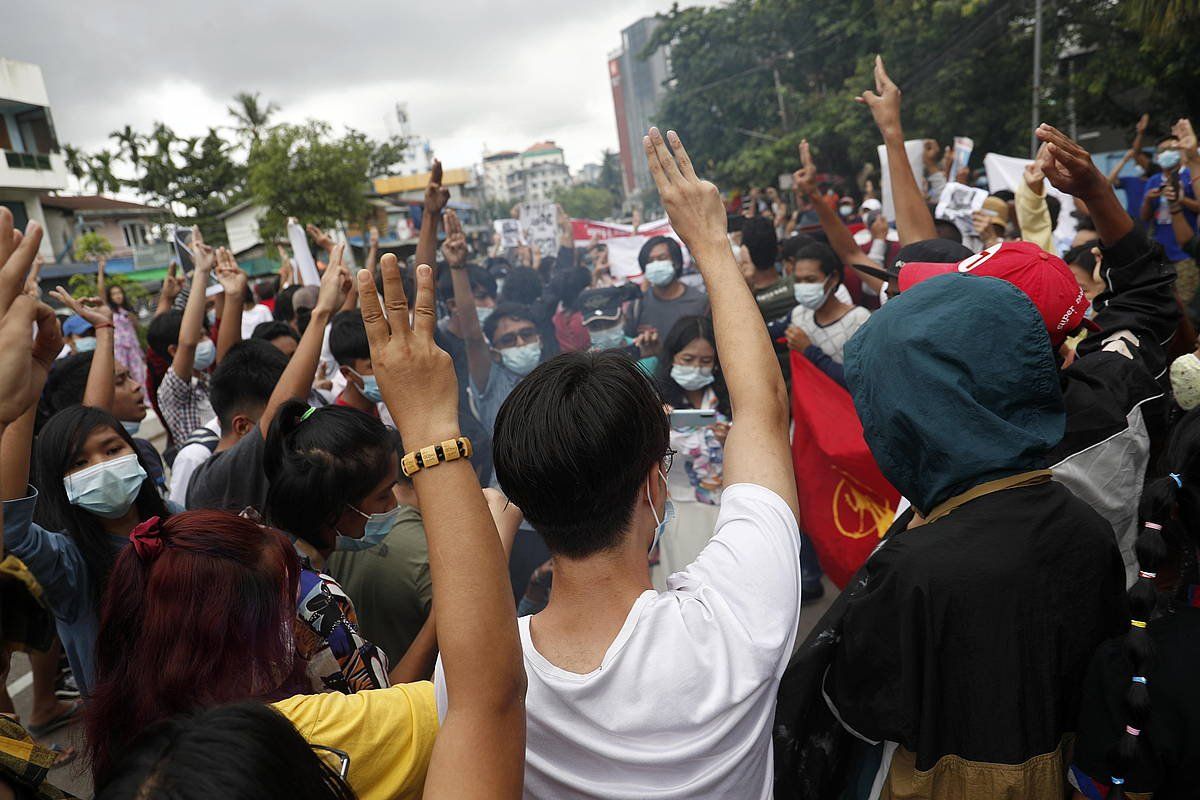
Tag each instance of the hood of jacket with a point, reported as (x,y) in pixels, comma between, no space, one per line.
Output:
(956,384)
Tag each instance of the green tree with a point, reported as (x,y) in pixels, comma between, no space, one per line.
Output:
(80,285)
(385,155)
(91,246)
(304,171)
(76,162)
(129,144)
(100,172)
(611,177)
(586,202)
(253,116)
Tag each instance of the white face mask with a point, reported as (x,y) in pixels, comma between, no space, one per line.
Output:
(1185,381)
(523,359)
(810,295)
(107,489)
(607,339)
(691,378)
(668,513)
(206,354)
(660,272)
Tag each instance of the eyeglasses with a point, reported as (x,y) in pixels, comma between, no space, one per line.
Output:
(667,460)
(342,756)
(523,336)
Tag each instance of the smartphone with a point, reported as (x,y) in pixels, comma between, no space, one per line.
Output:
(693,417)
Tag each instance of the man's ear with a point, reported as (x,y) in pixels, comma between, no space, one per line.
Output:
(171,350)
(242,425)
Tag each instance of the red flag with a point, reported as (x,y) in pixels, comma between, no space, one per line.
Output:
(846,505)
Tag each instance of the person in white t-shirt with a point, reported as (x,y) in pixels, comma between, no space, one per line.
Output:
(634,693)
(825,320)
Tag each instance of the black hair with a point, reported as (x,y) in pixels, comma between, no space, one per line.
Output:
(523,285)
(685,331)
(270,331)
(266,288)
(1169,137)
(478,277)
(58,445)
(284,310)
(244,379)
(673,248)
(1054,206)
(348,338)
(573,444)
(1005,194)
(545,267)
(947,230)
(316,465)
(1084,222)
(569,283)
(506,311)
(824,255)
(164,332)
(1082,255)
(759,239)
(793,245)
(241,750)
(1169,504)
(67,382)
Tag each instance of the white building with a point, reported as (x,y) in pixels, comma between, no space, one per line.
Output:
(31,162)
(589,174)
(543,171)
(496,169)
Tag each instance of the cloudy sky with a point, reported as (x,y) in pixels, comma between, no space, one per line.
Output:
(473,73)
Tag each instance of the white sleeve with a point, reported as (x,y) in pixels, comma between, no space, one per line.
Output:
(753,564)
(439,690)
(186,461)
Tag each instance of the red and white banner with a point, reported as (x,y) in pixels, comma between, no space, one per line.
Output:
(623,244)
(846,505)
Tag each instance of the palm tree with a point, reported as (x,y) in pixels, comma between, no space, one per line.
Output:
(129,143)
(251,115)
(1159,17)
(100,173)
(76,162)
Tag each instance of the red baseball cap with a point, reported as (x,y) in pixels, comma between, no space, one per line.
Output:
(1043,277)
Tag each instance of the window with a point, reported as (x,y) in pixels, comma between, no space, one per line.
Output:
(136,234)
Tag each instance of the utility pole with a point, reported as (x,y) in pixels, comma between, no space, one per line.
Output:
(1037,76)
(779,95)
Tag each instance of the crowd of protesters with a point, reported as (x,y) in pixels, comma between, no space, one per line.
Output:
(493,523)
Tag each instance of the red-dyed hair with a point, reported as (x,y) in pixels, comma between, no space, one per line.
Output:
(204,620)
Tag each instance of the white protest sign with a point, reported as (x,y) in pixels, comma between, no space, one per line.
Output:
(1005,172)
(509,231)
(302,254)
(540,223)
(957,203)
(915,149)
(963,145)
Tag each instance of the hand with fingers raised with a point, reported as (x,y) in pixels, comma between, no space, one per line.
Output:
(335,283)
(416,377)
(1069,167)
(805,178)
(93,310)
(884,102)
(694,206)
(455,246)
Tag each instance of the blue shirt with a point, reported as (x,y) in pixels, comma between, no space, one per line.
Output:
(501,381)
(1164,232)
(1134,187)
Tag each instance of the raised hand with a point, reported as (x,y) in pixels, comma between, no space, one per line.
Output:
(805,178)
(31,281)
(405,356)
(202,254)
(455,246)
(1142,122)
(648,343)
(884,102)
(17,254)
(1183,131)
(436,195)
(320,238)
(94,310)
(1068,166)
(693,206)
(335,283)
(1035,171)
(373,236)
(231,277)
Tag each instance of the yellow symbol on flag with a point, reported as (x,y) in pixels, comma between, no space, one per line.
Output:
(857,511)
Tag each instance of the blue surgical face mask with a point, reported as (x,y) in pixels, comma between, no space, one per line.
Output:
(131,427)
(608,339)
(810,295)
(369,388)
(375,530)
(107,489)
(523,359)
(668,513)
(1168,159)
(85,344)
(483,312)
(206,354)
(691,378)
(660,272)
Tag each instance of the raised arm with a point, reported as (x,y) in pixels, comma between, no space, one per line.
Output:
(168,291)
(233,280)
(839,236)
(436,198)
(351,301)
(480,750)
(191,329)
(101,384)
(1033,215)
(1070,170)
(757,449)
(479,355)
(914,223)
(297,379)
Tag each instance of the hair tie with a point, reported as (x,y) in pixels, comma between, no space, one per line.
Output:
(1154,526)
(308,413)
(1137,623)
(1140,679)
(1178,480)
(1132,731)
(147,539)
(1149,575)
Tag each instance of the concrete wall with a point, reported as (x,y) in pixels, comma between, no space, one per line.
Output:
(22,82)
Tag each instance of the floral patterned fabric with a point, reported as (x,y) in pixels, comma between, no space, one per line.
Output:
(339,658)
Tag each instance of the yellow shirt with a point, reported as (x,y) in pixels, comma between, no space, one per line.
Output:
(388,734)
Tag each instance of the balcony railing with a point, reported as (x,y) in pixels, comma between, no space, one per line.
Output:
(27,160)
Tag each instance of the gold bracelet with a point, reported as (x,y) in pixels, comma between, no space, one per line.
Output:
(450,450)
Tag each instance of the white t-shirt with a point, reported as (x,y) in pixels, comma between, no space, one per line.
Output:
(186,460)
(683,702)
(253,318)
(830,338)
